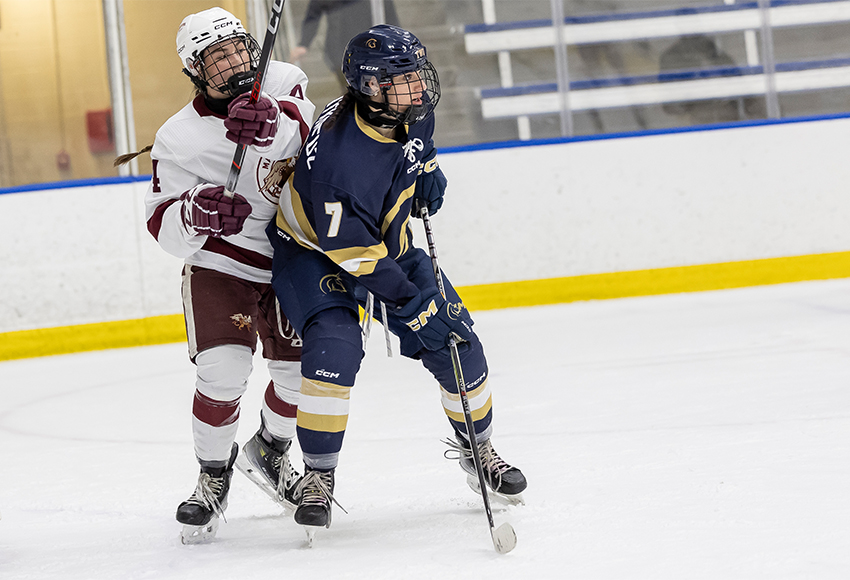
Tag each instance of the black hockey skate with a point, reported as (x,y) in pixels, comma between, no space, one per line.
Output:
(200,513)
(314,494)
(265,461)
(504,481)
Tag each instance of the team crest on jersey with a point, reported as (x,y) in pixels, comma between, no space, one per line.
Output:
(331,283)
(411,147)
(241,321)
(271,175)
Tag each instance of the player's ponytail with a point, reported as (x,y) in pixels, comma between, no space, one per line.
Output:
(128,157)
(345,102)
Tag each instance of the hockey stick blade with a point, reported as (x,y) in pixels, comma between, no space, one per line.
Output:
(504,538)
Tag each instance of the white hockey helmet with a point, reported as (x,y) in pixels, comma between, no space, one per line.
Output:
(201,30)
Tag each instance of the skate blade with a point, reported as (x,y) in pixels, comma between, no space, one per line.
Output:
(311,535)
(517,499)
(199,534)
(246,468)
(311,532)
(504,538)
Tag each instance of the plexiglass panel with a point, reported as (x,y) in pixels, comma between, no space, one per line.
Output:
(630,65)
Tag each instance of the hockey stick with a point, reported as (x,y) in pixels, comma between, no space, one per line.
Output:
(504,537)
(386,329)
(366,325)
(256,88)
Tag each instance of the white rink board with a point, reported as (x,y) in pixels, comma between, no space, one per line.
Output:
(81,255)
(645,202)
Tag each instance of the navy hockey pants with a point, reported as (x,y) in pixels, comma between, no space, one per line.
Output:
(321,301)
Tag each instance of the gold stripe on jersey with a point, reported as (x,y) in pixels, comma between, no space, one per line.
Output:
(358,260)
(403,197)
(402,239)
(391,216)
(292,219)
(371,131)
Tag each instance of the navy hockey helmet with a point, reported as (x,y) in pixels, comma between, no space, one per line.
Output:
(373,59)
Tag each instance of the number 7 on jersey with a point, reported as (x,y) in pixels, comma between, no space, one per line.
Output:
(334,209)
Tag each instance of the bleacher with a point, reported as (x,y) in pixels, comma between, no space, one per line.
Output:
(685,85)
(668,86)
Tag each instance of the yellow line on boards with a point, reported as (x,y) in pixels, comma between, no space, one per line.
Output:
(97,336)
(170,328)
(658,281)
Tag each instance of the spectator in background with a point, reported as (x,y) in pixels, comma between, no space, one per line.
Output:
(609,59)
(695,52)
(345,19)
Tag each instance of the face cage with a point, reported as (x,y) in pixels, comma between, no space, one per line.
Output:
(231,83)
(430,96)
(387,115)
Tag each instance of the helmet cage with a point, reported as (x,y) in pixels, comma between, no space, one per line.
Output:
(391,110)
(373,59)
(222,73)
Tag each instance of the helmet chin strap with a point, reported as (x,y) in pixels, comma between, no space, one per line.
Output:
(237,84)
(200,84)
(240,83)
(384,117)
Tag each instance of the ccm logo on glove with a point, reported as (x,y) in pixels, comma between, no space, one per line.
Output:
(423,317)
(434,320)
(252,123)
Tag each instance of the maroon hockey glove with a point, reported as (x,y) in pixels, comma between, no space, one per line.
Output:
(208,212)
(433,319)
(251,123)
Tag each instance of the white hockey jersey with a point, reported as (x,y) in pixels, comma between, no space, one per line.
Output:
(190,148)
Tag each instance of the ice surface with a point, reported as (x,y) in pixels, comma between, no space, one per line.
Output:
(688,436)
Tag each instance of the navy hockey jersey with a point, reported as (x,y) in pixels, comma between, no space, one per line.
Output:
(350,198)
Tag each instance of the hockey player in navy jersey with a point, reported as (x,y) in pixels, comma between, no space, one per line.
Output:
(342,231)
(227,296)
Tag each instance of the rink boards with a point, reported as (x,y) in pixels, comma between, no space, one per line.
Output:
(523,224)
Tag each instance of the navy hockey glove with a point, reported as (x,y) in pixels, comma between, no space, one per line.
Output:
(208,212)
(251,123)
(430,186)
(433,319)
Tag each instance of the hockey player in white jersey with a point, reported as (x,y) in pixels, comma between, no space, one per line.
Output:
(227,296)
